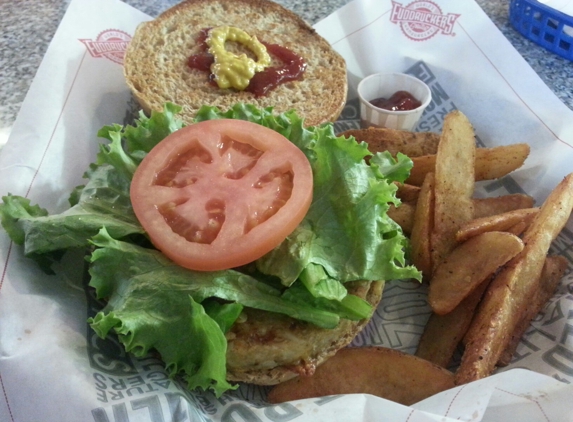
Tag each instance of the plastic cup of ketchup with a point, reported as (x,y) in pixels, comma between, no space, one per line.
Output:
(392,100)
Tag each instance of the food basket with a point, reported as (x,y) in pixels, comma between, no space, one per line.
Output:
(544,25)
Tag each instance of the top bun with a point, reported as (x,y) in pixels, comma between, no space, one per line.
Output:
(156,67)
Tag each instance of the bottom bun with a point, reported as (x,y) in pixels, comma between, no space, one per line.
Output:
(266,348)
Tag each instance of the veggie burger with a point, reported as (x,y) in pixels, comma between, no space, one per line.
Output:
(239,244)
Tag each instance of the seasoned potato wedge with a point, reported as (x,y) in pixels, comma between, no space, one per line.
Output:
(552,273)
(403,215)
(408,193)
(490,163)
(468,266)
(453,185)
(443,333)
(380,371)
(500,222)
(485,207)
(413,144)
(422,228)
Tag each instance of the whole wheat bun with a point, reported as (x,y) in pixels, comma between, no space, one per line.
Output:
(156,69)
(267,348)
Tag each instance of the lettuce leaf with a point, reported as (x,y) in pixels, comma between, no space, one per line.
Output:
(120,270)
(147,132)
(152,303)
(103,202)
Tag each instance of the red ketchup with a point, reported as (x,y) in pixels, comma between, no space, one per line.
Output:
(204,60)
(262,82)
(399,101)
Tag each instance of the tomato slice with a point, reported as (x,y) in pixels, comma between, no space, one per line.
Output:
(221,193)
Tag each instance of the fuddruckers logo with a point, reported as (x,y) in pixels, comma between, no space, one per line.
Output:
(110,44)
(421,19)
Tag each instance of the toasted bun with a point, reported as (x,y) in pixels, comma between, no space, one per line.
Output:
(156,67)
(268,348)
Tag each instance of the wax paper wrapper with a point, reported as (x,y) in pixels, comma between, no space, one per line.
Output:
(54,368)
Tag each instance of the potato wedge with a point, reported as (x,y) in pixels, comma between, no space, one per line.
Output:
(519,228)
(454,184)
(499,222)
(485,207)
(380,371)
(422,228)
(407,193)
(490,163)
(443,333)
(468,266)
(422,166)
(551,275)
(403,215)
(413,144)
(513,289)
(493,163)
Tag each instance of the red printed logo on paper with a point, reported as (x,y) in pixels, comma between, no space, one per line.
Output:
(110,44)
(421,20)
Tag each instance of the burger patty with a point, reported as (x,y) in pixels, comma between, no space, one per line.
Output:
(267,348)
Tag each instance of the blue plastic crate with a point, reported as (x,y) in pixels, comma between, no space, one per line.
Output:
(544,25)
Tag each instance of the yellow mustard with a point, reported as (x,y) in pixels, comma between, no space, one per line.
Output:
(233,70)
